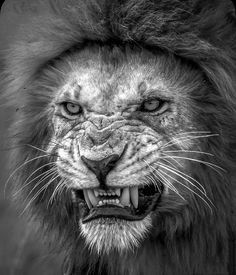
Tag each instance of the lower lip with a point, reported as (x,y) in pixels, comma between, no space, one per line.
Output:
(125,213)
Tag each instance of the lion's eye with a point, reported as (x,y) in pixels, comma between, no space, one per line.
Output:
(72,109)
(152,105)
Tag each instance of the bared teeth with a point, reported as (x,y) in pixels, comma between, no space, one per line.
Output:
(96,193)
(92,197)
(134,196)
(87,199)
(73,196)
(117,192)
(125,197)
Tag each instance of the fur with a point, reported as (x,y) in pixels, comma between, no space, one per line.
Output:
(191,241)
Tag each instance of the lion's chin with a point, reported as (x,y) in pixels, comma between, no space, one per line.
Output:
(104,235)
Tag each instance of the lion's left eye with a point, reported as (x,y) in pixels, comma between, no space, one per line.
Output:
(152,105)
(71,109)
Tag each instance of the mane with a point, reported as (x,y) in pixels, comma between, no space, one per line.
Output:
(201,33)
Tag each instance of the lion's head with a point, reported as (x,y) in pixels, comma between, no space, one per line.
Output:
(125,131)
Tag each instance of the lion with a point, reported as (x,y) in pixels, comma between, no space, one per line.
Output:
(124,131)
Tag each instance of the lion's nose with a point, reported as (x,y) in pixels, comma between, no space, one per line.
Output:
(101,167)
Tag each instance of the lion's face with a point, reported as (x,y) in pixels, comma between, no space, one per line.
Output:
(125,130)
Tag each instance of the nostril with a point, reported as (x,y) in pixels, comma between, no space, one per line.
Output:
(101,167)
(110,161)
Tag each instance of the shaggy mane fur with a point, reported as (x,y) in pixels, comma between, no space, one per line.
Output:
(193,241)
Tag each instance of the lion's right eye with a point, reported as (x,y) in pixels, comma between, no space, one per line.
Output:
(71,109)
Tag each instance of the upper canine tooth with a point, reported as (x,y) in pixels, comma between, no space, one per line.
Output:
(92,197)
(134,196)
(87,199)
(73,196)
(96,193)
(125,197)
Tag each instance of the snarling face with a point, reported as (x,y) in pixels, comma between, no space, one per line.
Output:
(126,128)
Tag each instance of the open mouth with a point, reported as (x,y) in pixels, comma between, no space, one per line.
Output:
(129,203)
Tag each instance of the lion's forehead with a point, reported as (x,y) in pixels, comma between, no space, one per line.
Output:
(102,90)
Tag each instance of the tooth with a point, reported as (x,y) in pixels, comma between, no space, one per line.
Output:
(92,197)
(117,191)
(117,201)
(73,196)
(96,193)
(125,197)
(134,196)
(87,199)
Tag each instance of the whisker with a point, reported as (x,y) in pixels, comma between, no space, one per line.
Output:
(188,151)
(64,187)
(194,132)
(18,168)
(169,184)
(39,182)
(174,166)
(56,191)
(172,157)
(209,164)
(39,149)
(39,168)
(152,179)
(182,139)
(44,187)
(187,187)
(44,175)
(186,175)
(202,189)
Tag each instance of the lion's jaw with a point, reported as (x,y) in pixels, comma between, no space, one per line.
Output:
(106,235)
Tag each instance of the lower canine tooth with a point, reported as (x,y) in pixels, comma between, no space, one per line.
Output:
(134,196)
(87,199)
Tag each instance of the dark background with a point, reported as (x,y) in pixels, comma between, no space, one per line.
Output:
(22,252)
